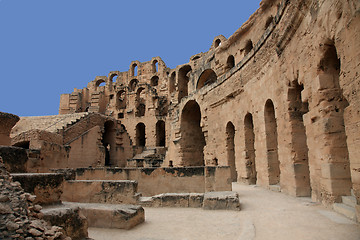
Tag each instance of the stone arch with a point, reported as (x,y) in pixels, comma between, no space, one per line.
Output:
(207,77)
(140,135)
(183,81)
(155,66)
(249,137)
(160,133)
(335,167)
(217,43)
(140,103)
(132,85)
(154,81)
(108,141)
(248,46)
(172,83)
(271,143)
(113,77)
(134,70)
(230,62)
(121,100)
(100,82)
(230,150)
(192,138)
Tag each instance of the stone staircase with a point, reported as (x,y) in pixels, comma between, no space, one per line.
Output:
(347,206)
(53,123)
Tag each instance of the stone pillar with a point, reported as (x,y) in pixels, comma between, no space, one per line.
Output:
(7,122)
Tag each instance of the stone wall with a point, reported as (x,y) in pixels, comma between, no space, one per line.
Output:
(152,181)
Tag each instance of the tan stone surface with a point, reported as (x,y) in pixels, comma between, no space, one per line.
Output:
(264,215)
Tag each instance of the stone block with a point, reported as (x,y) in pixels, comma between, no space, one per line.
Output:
(196,200)
(335,170)
(70,218)
(221,200)
(175,200)
(120,216)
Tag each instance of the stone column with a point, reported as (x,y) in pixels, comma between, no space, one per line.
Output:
(7,122)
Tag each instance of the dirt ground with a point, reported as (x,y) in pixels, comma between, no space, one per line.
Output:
(264,215)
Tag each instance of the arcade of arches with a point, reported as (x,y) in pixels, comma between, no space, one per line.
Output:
(277,103)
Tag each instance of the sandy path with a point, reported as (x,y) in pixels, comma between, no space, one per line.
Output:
(265,215)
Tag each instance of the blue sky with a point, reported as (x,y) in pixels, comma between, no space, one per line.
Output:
(50,47)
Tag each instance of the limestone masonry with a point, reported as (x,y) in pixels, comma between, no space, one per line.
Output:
(277,104)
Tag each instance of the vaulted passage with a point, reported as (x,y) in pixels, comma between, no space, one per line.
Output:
(206,78)
(230,149)
(160,133)
(192,138)
(108,141)
(251,174)
(272,144)
(330,127)
(183,81)
(140,135)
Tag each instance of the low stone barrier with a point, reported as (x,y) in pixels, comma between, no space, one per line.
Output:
(210,201)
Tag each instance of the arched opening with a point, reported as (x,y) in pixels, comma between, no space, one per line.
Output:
(134,70)
(230,149)
(192,138)
(108,141)
(100,83)
(160,133)
(172,83)
(297,109)
(332,123)
(269,21)
(154,81)
(183,80)
(206,78)
(140,135)
(24,144)
(272,143)
(230,63)
(155,66)
(132,85)
(121,100)
(217,43)
(251,174)
(248,47)
(140,102)
(113,77)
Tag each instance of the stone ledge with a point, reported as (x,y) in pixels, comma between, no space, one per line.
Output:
(122,216)
(210,201)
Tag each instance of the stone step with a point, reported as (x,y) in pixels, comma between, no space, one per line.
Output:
(345,210)
(349,200)
(275,188)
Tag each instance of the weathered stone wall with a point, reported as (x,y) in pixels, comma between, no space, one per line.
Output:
(47,187)
(7,121)
(152,181)
(277,101)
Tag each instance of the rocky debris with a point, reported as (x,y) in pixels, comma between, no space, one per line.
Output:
(19,217)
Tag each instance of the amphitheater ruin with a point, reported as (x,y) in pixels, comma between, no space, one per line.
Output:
(277,104)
